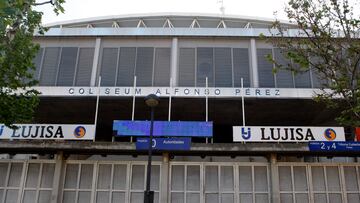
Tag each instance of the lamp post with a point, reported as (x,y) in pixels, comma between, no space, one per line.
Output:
(152,101)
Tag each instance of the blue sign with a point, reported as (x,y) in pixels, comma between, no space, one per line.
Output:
(334,146)
(163,128)
(173,144)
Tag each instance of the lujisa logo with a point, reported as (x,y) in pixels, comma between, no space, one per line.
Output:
(1,129)
(245,134)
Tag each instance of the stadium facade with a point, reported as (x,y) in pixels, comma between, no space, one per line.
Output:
(195,63)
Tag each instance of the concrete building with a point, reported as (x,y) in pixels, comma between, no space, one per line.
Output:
(195,63)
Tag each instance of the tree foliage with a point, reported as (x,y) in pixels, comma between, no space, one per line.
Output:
(18,23)
(328,43)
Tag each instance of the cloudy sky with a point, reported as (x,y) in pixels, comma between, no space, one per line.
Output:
(76,9)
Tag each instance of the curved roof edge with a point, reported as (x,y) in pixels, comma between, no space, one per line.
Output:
(170,14)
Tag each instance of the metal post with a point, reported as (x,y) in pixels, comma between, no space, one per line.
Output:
(207,104)
(149,195)
(242,101)
(97,107)
(133,105)
(169,115)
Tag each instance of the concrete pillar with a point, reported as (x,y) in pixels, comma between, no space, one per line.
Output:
(274,178)
(164,186)
(174,62)
(95,62)
(254,65)
(58,173)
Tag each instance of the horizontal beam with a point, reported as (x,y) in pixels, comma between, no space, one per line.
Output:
(171,32)
(181,92)
(218,149)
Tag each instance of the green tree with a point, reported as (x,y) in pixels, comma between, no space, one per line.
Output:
(328,43)
(18,23)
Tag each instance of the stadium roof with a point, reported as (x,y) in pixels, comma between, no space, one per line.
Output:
(170,20)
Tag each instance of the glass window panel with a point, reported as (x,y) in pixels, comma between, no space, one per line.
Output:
(246,198)
(302,80)
(333,179)
(211,198)
(223,67)
(162,67)
(261,198)
(118,197)
(69,197)
(109,66)
(245,179)
(319,197)
(37,63)
(260,174)
(11,196)
(44,196)
(301,198)
(226,178)
(286,198)
(138,179)
(266,76)
(156,197)
(284,78)
(177,177)
(84,197)
(50,66)
(86,176)
(144,66)
(300,178)
(84,69)
(193,178)
(351,178)
(32,176)
(137,197)
(15,175)
(120,175)
(318,178)
(29,196)
(335,198)
(47,175)
(102,197)
(353,198)
(67,66)
(155,177)
(177,197)
(71,175)
(192,198)
(241,67)
(205,67)
(187,67)
(126,67)
(1,194)
(104,176)
(227,198)
(211,178)
(285,178)
(3,173)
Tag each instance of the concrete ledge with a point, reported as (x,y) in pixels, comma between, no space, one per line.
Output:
(220,149)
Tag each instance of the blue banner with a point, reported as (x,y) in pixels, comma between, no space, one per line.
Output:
(163,128)
(334,146)
(172,144)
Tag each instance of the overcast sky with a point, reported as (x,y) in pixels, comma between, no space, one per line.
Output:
(77,9)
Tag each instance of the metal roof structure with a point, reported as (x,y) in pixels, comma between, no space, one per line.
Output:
(170,20)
